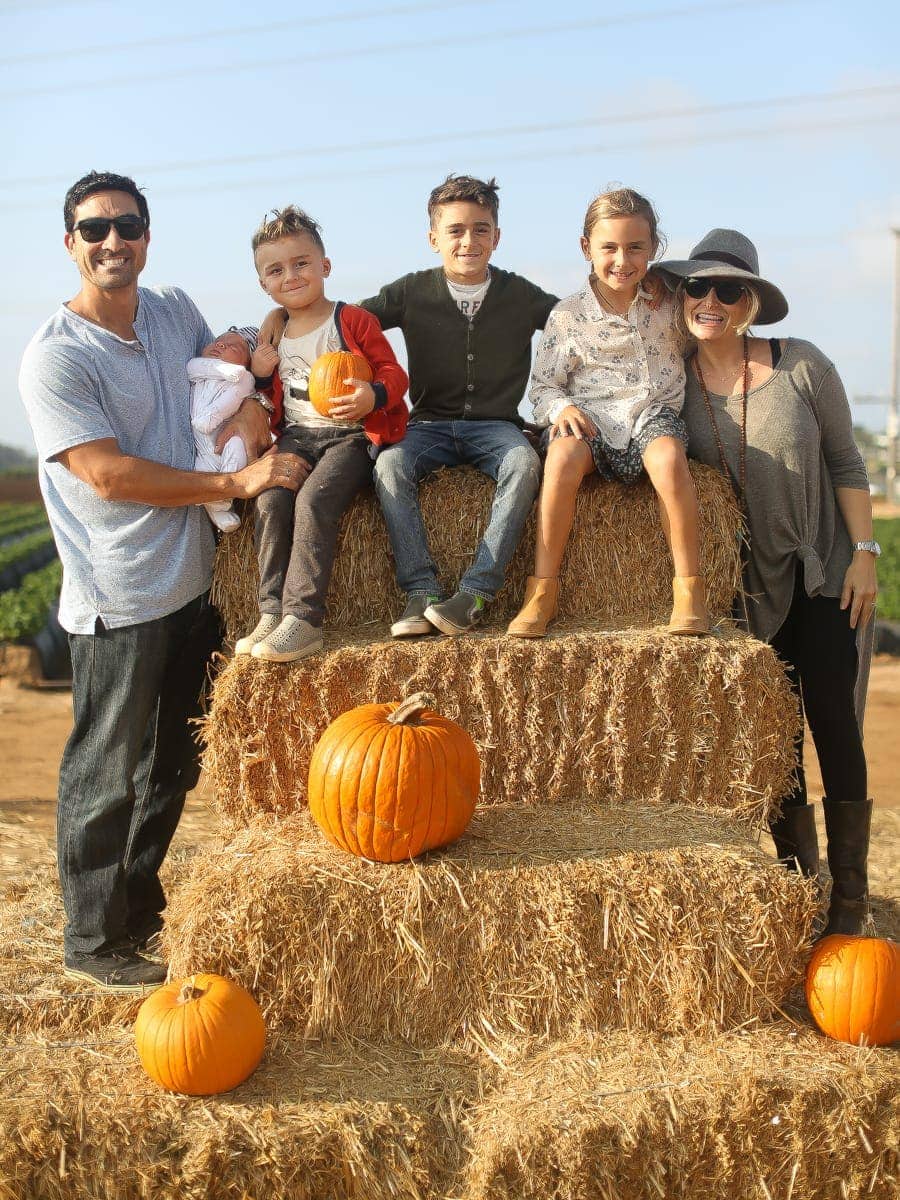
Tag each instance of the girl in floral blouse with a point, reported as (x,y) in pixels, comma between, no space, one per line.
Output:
(608,382)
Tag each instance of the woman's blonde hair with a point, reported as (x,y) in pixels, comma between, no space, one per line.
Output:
(624,202)
(686,338)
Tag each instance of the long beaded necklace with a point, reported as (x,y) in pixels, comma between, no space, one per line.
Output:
(740,487)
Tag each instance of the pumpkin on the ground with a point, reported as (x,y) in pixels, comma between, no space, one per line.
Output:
(390,781)
(328,375)
(853,989)
(200,1035)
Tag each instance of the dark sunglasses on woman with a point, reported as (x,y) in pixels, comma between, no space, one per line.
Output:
(727,290)
(96,229)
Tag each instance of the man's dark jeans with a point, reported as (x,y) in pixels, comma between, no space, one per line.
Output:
(127,766)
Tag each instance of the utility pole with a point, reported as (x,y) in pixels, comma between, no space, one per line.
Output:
(891,494)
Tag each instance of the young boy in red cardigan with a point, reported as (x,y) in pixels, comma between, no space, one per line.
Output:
(296,536)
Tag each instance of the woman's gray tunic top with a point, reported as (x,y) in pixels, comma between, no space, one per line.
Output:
(800,448)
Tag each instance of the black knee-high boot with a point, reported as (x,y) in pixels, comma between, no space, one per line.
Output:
(848,824)
(794,835)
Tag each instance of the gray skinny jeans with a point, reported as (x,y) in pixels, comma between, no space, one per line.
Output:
(296,534)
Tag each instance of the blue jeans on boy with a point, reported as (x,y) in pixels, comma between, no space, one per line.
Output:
(498,449)
(127,766)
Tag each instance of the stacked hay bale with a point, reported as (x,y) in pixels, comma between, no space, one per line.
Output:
(603,962)
(608,706)
(617,569)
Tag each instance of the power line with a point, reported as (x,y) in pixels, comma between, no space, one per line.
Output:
(485,134)
(208,35)
(665,142)
(11,10)
(505,35)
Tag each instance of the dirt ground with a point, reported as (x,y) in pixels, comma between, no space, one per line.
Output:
(34,724)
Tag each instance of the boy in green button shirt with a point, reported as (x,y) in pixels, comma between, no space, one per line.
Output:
(468,329)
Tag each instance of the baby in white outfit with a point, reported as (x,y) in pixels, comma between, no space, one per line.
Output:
(220,382)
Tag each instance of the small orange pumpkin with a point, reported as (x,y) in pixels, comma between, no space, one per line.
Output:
(390,781)
(853,989)
(328,374)
(200,1035)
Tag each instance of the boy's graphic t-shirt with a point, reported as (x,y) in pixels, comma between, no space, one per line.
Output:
(295,359)
(469,296)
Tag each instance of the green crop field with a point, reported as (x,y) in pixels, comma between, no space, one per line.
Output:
(887,533)
(24,611)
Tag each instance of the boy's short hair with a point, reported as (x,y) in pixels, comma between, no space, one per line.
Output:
(456,188)
(102,181)
(287,222)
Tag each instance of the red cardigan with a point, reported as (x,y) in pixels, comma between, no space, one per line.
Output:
(361,334)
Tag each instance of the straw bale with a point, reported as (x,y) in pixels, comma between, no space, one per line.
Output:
(775,1113)
(753,1115)
(617,567)
(540,920)
(706,722)
(315,1122)
(35,996)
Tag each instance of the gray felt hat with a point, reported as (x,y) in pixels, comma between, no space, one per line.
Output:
(727,254)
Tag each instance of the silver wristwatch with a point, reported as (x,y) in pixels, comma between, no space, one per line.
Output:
(264,401)
(872,547)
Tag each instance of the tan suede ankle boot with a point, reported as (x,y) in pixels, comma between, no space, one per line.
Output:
(689,612)
(539,609)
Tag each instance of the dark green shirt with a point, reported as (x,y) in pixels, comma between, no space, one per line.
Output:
(463,369)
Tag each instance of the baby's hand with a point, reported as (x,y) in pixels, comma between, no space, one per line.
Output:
(264,360)
(354,406)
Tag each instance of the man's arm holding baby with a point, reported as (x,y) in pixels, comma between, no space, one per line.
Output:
(113,475)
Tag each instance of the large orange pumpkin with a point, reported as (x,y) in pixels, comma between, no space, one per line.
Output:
(853,989)
(328,374)
(390,781)
(200,1035)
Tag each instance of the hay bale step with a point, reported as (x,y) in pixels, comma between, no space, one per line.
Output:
(315,1122)
(769,1113)
(772,1112)
(617,566)
(539,921)
(706,722)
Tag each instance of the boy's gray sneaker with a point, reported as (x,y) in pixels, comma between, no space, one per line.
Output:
(413,623)
(292,639)
(116,971)
(462,612)
(268,623)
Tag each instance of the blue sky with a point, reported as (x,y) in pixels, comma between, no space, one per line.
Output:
(778,119)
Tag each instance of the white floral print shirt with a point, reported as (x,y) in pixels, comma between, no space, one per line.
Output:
(619,370)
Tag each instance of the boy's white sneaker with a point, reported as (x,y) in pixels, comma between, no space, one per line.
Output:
(268,623)
(292,639)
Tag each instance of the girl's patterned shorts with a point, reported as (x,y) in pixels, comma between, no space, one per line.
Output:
(627,464)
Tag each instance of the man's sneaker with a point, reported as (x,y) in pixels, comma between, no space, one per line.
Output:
(150,947)
(413,622)
(292,639)
(116,971)
(462,612)
(268,623)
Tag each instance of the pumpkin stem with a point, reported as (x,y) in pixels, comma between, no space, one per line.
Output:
(410,709)
(189,992)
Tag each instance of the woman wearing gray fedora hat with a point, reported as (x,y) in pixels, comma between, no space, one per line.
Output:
(772,414)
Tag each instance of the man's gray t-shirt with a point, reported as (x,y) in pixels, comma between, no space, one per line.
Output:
(123,562)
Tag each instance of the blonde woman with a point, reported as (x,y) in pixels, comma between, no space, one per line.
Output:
(772,414)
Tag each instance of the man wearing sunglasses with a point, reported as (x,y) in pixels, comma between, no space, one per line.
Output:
(106,391)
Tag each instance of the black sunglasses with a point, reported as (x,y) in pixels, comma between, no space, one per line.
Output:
(96,229)
(727,290)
